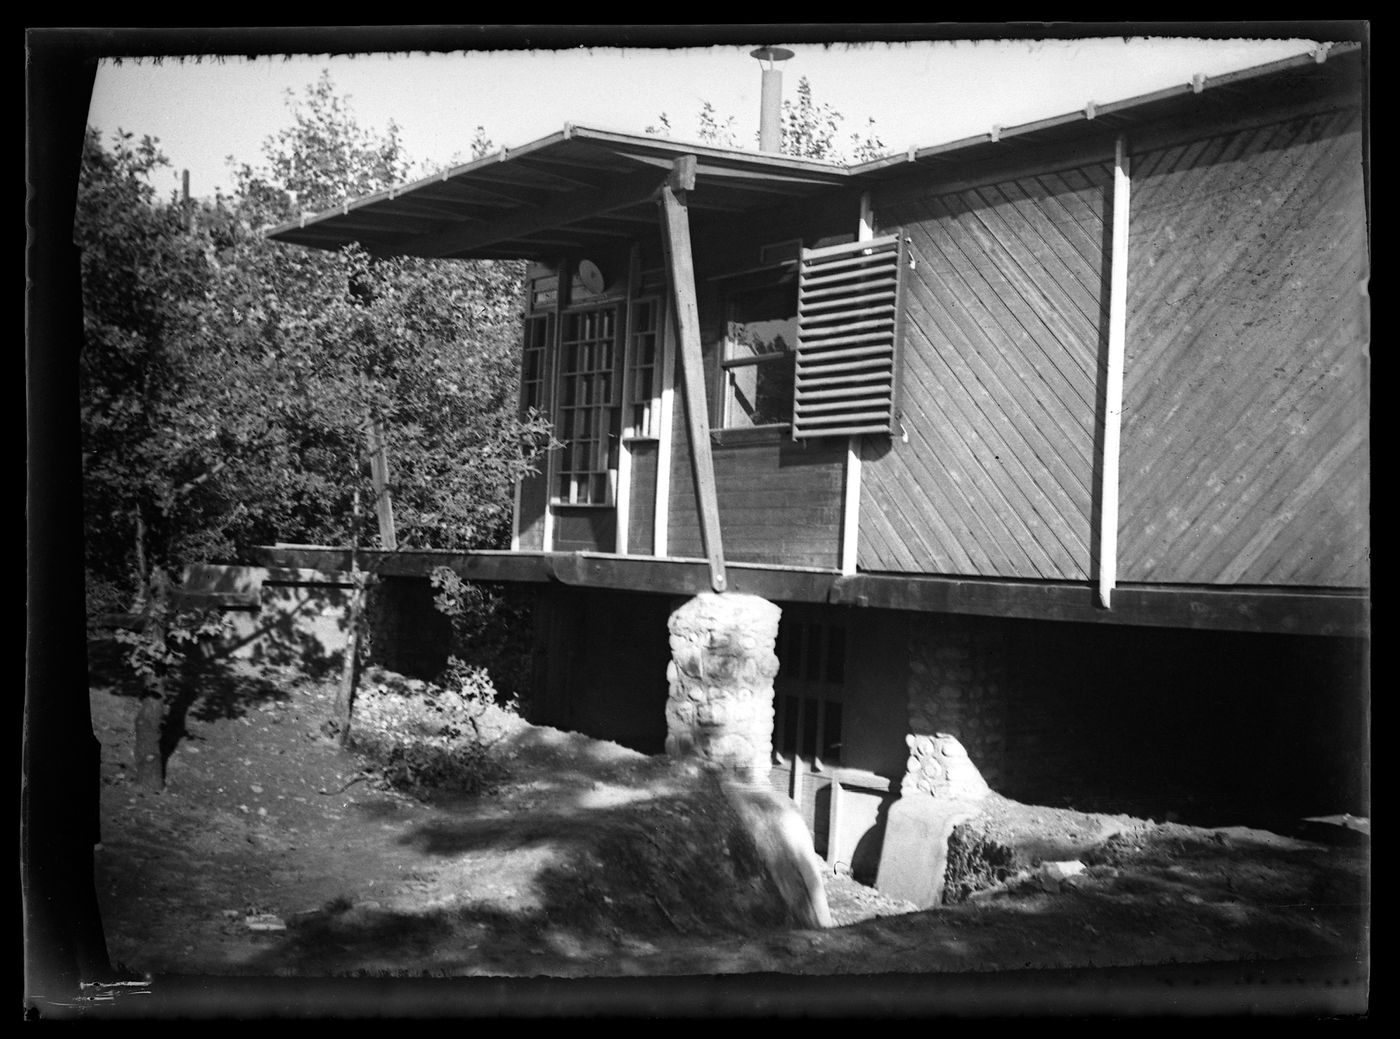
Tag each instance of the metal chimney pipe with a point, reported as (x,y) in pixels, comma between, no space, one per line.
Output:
(770,122)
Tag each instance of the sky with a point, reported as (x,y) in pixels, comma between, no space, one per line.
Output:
(918,94)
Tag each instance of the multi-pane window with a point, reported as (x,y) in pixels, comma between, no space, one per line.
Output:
(811,673)
(589,411)
(533,363)
(643,360)
(759,354)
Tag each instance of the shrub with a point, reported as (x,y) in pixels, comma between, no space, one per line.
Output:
(426,736)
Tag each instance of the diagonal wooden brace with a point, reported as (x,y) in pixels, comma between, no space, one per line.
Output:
(675,225)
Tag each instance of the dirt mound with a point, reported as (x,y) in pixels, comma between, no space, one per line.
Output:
(592,860)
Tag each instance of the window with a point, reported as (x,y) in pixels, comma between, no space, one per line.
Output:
(811,673)
(533,363)
(760,344)
(589,413)
(820,355)
(643,368)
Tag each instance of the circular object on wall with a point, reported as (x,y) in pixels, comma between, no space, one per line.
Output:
(590,276)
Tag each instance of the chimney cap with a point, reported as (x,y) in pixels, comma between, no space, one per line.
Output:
(771,54)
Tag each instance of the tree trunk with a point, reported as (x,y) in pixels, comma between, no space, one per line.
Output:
(345,695)
(150,763)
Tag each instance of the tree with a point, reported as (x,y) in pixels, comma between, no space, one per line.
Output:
(809,130)
(228,380)
(145,452)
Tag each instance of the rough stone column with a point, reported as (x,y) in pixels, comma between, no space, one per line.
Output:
(720,707)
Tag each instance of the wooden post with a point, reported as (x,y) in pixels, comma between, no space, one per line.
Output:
(379,476)
(675,222)
(850,511)
(552,366)
(833,821)
(623,501)
(1113,382)
(666,371)
(349,675)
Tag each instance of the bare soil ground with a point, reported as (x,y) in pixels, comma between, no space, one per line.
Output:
(270,854)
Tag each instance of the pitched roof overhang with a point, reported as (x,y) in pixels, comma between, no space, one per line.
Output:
(583,188)
(571,191)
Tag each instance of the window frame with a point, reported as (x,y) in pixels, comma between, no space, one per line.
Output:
(649,428)
(777,276)
(810,689)
(606,415)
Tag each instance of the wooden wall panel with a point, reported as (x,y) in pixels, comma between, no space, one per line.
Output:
(779,502)
(1245,456)
(1004,337)
(641,510)
(533,491)
(584,529)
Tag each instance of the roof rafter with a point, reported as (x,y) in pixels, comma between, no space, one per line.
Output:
(572,208)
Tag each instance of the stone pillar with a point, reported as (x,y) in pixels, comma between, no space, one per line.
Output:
(720,707)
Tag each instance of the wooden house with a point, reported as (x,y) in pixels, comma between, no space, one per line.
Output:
(1055,438)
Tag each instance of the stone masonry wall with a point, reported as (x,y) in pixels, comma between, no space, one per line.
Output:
(958,685)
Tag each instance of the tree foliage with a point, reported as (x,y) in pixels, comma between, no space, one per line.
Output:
(812,130)
(228,380)
(809,130)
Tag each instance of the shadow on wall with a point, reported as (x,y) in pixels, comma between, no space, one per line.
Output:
(301,618)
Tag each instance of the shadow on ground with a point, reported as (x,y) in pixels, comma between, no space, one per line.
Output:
(604,879)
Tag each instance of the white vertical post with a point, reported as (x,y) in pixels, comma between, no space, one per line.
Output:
(622,502)
(515,519)
(561,299)
(1113,382)
(850,512)
(667,360)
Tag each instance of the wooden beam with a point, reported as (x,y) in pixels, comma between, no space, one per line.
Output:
(571,207)
(466,191)
(550,170)
(326,560)
(682,174)
(379,477)
(1341,613)
(676,238)
(1113,380)
(687,576)
(1219,609)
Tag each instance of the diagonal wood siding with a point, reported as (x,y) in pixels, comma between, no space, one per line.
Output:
(1245,456)
(1003,340)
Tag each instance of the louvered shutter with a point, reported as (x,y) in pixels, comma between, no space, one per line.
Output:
(847,339)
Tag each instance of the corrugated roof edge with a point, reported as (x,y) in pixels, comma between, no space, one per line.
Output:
(647,142)
(1100,110)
